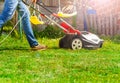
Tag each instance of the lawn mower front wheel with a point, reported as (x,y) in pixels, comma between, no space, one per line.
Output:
(76,44)
(71,41)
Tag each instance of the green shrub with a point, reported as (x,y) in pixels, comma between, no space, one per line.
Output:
(7,28)
(116,39)
(49,32)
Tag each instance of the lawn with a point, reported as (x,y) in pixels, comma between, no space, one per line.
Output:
(18,64)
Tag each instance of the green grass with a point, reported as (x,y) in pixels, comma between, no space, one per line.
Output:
(18,64)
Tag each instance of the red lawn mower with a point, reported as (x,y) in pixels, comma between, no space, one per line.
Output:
(73,39)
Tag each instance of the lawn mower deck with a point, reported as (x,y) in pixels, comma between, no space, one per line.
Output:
(84,40)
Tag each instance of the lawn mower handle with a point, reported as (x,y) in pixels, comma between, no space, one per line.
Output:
(68,29)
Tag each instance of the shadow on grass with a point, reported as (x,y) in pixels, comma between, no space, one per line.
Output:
(12,48)
(54,47)
(15,48)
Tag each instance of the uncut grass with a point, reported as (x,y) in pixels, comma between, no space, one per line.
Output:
(54,65)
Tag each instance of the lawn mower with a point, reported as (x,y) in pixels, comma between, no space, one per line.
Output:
(73,39)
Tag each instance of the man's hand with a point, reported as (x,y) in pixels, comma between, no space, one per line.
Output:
(34,1)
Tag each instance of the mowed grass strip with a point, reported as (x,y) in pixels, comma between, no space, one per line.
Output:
(54,65)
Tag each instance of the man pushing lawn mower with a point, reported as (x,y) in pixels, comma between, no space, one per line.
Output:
(73,38)
(9,8)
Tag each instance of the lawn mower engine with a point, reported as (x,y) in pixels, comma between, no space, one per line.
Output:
(79,39)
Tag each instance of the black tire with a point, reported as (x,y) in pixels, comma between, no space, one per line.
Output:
(101,45)
(61,43)
(69,40)
(64,41)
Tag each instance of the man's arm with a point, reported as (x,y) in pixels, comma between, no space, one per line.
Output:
(37,1)
(34,1)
